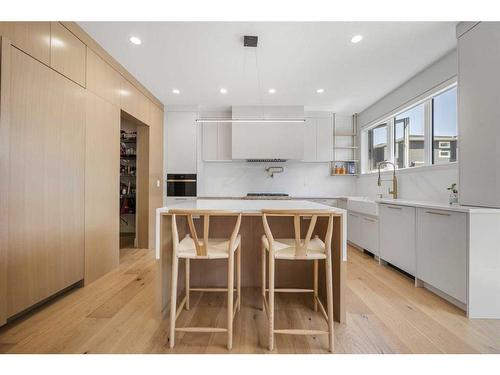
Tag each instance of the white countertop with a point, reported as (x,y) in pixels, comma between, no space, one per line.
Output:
(249,206)
(439,206)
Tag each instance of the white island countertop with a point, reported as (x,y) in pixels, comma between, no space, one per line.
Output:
(247,208)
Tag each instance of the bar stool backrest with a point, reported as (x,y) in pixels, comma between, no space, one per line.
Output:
(301,246)
(201,244)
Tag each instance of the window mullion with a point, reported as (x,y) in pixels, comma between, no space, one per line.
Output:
(428,132)
(391,140)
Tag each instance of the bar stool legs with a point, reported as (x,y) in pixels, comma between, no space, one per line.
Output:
(230,293)
(315,295)
(263,275)
(271,301)
(173,300)
(187,282)
(329,298)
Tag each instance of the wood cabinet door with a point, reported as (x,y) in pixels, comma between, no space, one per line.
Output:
(442,251)
(31,37)
(102,79)
(397,236)
(102,184)
(47,160)
(67,53)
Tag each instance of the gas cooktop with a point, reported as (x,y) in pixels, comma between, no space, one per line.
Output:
(267,196)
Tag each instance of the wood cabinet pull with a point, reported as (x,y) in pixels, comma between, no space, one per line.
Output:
(394,208)
(368,219)
(437,213)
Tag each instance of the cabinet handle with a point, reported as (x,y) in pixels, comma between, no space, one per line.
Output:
(437,213)
(367,219)
(353,215)
(394,208)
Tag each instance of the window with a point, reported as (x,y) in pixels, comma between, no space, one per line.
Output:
(377,140)
(409,137)
(423,134)
(444,127)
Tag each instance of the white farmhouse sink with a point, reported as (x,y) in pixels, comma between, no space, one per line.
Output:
(362,205)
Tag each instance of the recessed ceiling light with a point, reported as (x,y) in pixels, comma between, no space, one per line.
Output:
(320,91)
(223,91)
(176,91)
(135,40)
(357,38)
(272,91)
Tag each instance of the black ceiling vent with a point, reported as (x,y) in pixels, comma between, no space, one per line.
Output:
(250,41)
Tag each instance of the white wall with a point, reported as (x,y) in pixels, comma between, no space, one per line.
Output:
(424,183)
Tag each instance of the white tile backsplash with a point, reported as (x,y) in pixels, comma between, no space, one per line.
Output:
(298,179)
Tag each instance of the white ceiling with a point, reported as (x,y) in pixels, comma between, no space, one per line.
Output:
(295,58)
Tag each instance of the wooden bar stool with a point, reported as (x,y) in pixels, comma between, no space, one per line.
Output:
(313,249)
(190,247)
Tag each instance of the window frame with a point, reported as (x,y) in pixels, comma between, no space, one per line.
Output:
(389,119)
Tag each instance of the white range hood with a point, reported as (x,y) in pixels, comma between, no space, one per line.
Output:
(268,132)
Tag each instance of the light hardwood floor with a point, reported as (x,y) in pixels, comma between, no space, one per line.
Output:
(117,314)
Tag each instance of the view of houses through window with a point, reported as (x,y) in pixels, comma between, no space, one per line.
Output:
(410,146)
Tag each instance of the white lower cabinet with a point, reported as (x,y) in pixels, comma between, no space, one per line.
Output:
(442,251)
(363,231)
(397,236)
(353,228)
(369,234)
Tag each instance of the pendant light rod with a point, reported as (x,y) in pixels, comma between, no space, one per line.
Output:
(230,120)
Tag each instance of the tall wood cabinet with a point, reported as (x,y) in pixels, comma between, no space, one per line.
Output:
(46,183)
(60,108)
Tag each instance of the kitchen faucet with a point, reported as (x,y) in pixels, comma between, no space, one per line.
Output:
(394,191)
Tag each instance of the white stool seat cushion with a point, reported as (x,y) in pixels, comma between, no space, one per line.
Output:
(216,249)
(284,248)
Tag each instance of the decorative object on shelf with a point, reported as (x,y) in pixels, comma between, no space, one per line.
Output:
(453,198)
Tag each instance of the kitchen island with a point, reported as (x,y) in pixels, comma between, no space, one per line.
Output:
(288,274)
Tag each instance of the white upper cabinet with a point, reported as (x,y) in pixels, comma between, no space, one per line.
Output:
(180,142)
(216,144)
(268,140)
(318,139)
(478,110)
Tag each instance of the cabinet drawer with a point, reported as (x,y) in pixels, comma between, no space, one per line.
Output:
(442,251)
(397,236)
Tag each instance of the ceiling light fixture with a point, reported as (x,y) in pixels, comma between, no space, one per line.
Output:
(272,91)
(223,91)
(320,91)
(357,38)
(135,40)
(250,120)
(176,91)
